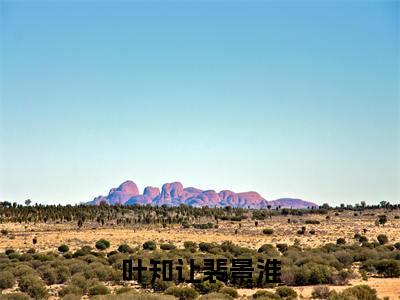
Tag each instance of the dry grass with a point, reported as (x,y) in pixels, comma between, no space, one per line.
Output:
(50,236)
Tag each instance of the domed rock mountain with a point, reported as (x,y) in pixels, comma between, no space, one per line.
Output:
(174,194)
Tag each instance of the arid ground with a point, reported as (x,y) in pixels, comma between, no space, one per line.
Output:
(345,225)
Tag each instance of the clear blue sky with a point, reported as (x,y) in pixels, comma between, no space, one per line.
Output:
(290,99)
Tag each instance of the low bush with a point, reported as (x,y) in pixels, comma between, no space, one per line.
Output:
(167,246)
(229,291)
(359,292)
(316,222)
(206,287)
(191,246)
(70,289)
(286,292)
(7,280)
(268,231)
(340,241)
(33,286)
(382,239)
(149,245)
(215,296)
(98,289)
(265,295)
(265,248)
(385,267)
(102,244)
(282,247)
(15,296)
(208,225)
(320,292)
(63,248)
(182,293)
(123,290)
(80,281)
(124,248)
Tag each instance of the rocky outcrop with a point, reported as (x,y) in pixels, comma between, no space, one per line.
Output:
(174,194)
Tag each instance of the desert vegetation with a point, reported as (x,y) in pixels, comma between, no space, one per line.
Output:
(316,263)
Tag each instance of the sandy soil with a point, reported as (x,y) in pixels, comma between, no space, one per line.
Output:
(50,236)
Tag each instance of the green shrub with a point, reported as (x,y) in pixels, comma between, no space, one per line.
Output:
(212,248)
(286,292)
(359,292)
(71,297)
(229,291)
(15,296)
(215,296)
(320,274)
(191,246)
(123,290)
(265,295)
(14,255)
(182,293)
(80,281)
(98,289)
(388,267)
(149,245)
(33,286)
(63,274)
(208,225)
(102,244)
(265,248)
(161,285)
(49,275)
(7,280)
(268,231)
(63,248)
(134,296)
(397,245)
(320,292)
(344,257)
(124,248)
(167,246)
(70,289)
(206,287)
